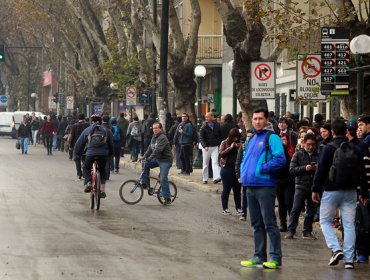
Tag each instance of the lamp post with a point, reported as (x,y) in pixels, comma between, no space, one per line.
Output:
(200,72)
(113,96)
(360,45)
(34,96)
(230,65)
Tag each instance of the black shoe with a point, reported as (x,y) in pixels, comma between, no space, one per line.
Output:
(335,258)
(103,195)
(283,229)
(205,182)
(88,188)
(289,235)
(217,181)
(167,201)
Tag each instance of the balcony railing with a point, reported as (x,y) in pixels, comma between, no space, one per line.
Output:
(209,47)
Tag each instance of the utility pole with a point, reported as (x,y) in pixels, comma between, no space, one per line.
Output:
(154,95)
(162,100)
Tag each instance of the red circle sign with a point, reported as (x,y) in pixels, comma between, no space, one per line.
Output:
(311,67)
(131,92)
(262,72)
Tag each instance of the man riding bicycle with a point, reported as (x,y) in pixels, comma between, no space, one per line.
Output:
(98,142)
(159,153)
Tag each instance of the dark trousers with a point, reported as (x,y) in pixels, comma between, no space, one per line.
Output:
(146,144)
(78,162)
(89,160)
(186,157)
(116,156)
(285,196)
(49,143)
(244,201)
(300,196)
(230,182)
(134,148)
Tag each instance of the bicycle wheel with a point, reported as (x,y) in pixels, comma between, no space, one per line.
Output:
(173,191)
(97,190)
(131,192)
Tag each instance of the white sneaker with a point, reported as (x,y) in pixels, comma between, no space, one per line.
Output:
(226,212)
(239,212)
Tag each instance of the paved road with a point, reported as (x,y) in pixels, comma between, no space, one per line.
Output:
(49,232)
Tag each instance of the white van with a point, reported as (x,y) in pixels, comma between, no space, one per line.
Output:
(18,116)
(7,124)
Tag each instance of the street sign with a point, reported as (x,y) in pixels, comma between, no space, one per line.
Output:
(335,54)
(309,77)
(51,102)
(262,80)
(70,102)
(3,100)
(130,96)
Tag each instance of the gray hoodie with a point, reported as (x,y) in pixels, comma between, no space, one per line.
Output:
(159,148)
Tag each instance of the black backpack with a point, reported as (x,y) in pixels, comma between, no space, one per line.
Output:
(97,137)
(346,167)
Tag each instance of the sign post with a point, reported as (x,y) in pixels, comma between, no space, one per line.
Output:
(335,54)
(51,102)
(70,102)
(309,77)
(130,96)
(263,80)
(3,100)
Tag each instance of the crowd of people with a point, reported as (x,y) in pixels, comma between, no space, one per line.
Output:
(319,168)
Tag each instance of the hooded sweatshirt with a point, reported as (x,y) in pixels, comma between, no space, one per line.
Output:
(254,171)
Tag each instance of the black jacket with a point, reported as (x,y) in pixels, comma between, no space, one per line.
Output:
(321,179)
(303,178)
(210,137)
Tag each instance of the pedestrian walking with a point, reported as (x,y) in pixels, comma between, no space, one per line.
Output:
(48,130)
(339,171)
(134,135)
(185,131)
(24,134)
(264,157)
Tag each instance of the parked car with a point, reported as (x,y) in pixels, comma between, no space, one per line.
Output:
(7,124)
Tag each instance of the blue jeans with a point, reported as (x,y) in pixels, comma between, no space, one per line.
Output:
(134,147)
(54,142)
(24,144)
(164,167)
(261,204)
(345,201)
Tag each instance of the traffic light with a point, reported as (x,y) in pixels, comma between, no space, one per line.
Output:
(56,97)
(2,52)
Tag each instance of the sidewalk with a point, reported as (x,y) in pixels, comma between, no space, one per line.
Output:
(194,180)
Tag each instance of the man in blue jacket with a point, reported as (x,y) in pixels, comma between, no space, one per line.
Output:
(186,141)
(263,157)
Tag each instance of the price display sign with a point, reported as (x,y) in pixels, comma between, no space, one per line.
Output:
(335,55)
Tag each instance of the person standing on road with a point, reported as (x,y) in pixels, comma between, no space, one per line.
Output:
(118,136)
(210,139)
(185,131)
(303,166)
(338,176)
(35,126)
(47,131)
(123,124)
(264,157)
(228,153)
(24,134)
(134,134)
(159,154)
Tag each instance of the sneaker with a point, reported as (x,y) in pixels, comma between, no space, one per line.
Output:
(205,182)
(362,259)
(272,264)
(283,229)
(243,218)
(116,171)
(226,212)
(336,257)
(217,181)
(167,201)
(289,235)
(239,212)
(349,265)
(309,236)
(250,263)
(87,187)
(103,195)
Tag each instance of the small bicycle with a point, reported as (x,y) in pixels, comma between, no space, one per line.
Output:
(95,186)
(132,191)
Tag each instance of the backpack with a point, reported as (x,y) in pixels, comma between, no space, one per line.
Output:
(346,167)
(116,134)
(134,131)
(97,136)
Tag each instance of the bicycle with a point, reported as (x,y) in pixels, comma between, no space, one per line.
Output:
(132,191)
(95,186)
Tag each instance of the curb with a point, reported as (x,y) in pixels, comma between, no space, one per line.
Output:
(178,180)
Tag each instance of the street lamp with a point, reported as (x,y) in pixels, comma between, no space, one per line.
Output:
(113,95)
(230,65)
(34,97)
(200,72)
(360,45)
